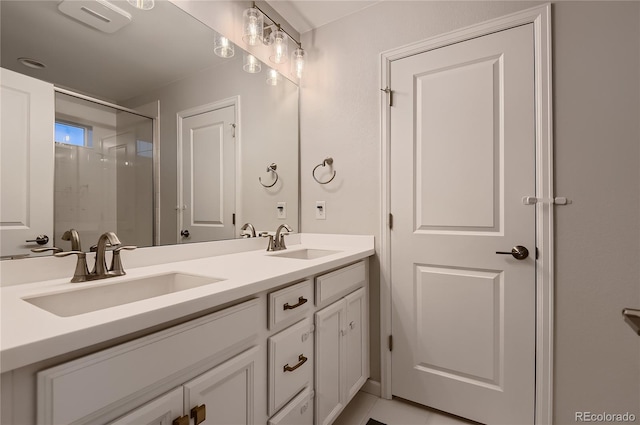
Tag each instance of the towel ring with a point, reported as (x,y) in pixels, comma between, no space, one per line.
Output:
(327,161)
(271,168)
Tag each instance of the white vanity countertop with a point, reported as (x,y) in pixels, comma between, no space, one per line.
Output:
(30,334)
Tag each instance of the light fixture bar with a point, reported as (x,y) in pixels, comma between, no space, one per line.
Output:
(278,25)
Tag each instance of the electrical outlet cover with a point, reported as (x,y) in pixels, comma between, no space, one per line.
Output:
(321,210)
(281,208)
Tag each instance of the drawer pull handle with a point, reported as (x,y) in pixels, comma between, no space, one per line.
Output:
(302,360)
(199,413)
(182,420)
(301,301)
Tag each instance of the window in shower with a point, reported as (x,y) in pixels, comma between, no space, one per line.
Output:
(73,134)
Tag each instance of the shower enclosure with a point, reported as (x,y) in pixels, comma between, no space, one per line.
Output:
(103,172)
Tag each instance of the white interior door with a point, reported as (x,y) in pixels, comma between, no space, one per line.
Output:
(462,157)
(208,176)
(26,155)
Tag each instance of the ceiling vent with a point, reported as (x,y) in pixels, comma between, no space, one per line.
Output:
(99,14)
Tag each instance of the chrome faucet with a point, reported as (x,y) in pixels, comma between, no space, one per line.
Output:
(100,270)
(73,236)
(252,230)
(277,243)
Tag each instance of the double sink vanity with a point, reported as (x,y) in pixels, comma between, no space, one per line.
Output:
(212,333)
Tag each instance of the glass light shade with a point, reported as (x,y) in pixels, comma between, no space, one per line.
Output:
(279,46)
(142,4)
(251,64)
(223,47)
(273,77)
(297,62)
(253,26)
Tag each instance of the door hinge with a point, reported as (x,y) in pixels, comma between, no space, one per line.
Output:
(233,219)
(537,254)
(390,342)
(389,93)
(390,221)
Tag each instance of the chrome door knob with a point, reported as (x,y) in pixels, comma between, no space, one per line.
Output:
(518,252)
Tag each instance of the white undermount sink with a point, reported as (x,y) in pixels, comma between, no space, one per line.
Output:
(85,300)
(306,254)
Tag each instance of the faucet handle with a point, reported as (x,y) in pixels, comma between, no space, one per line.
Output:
(80,254)
(109,246)
(116,262)
(55,249)
(81,273)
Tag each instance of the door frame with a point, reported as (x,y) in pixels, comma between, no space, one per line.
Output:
(540,17)
(197,110)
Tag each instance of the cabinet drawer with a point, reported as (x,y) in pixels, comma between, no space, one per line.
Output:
(290,363)
(331,286)
(298,412)
(290,303)
(81,390)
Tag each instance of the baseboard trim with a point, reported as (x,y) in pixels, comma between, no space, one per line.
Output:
(372,387)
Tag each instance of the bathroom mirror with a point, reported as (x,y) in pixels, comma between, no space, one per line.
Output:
(163,60)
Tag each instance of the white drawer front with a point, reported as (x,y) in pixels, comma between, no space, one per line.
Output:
(331,286)
(298,412)
(290,303)
(75,392)
(290,363)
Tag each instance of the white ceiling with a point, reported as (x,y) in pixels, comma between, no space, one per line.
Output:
(305,15)
(158,46)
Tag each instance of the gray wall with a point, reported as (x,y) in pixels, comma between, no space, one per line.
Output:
(597,108)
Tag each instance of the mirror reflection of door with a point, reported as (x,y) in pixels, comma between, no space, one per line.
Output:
(207,167)
(26,167)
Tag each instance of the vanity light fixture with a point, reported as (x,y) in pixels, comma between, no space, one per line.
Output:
(279,46)
(251,64)
(297,62)
(142,4)
(223,47)
(273,77)
(272,35)
(253,26)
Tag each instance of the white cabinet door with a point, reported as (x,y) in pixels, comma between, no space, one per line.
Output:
(357,341)
(228,391)
(330,323)
(26,162)
(161,411)
(342,354)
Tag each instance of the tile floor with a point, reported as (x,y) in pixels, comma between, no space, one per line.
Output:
(365,406)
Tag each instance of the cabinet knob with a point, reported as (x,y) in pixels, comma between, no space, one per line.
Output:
(199,414)
(182,420)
